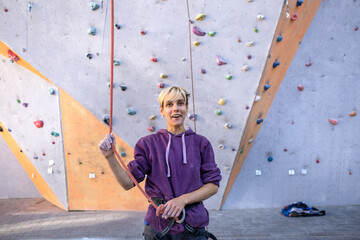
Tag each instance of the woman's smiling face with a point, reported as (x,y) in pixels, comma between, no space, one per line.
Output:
(175,111)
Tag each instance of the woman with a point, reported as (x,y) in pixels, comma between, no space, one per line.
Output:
(180,171)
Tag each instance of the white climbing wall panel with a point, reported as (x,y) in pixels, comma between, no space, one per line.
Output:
(54,38)
(25,99)
(297,133)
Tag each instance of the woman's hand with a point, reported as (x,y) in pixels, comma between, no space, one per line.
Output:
(105,145)
(173,208)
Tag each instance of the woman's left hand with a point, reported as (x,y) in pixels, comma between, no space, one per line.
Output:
(173,208)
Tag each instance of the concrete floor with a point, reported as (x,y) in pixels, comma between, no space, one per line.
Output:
(39,219)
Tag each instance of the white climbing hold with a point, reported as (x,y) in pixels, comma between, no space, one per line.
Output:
(260,17)
(245,68)
(257,98)
(51,162)
(250,44)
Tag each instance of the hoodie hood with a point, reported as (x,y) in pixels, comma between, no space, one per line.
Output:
(170,136)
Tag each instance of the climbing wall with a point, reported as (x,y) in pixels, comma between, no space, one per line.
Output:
(300,153)
(69,43)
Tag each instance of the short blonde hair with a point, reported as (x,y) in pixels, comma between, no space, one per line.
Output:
(174,93)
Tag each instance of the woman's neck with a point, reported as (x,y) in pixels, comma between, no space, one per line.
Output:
(176,130)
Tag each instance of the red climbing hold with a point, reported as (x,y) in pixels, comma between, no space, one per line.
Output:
(13,56)
(6,10)
(294,16)
(142,32)
(285,149)
(333,121)
(300,87)
(39,123)
(151,129)
(308,64)
(356,28)
(161,85)
(153,59)
(317,161)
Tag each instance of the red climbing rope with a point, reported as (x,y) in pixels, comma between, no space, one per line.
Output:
(111,109)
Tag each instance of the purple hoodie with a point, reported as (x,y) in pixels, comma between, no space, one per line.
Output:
(175,165)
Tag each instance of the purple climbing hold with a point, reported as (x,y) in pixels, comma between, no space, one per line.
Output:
(275,64)
(25,104)
(196,31)
(203,71)
(220,61)
(192,117)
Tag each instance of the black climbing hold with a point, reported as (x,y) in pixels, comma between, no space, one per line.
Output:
(89,56)
(106,119)
(117,26)
(1,129)
(123,87)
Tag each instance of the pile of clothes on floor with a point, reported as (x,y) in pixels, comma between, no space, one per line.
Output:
(300,209)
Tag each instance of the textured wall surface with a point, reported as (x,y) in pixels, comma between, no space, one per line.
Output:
(296,131)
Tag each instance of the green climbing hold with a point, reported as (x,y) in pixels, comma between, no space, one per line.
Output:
(116,63)
(218,112)
(228,77)
(211,33)
(55,134)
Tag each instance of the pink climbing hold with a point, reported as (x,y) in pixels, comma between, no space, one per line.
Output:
(294,16)
(220,61)
(300,87)
(333,121)
(308,64)
(153,59)
(196,31)
(39,123)
(151,129)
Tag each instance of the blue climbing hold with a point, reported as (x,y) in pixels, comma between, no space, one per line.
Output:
(267,86)
(131,111)
(94,6)
(92,31)
(260,120)
(123,154)
(279,38)
(299,2)
(275,64)
(270,159)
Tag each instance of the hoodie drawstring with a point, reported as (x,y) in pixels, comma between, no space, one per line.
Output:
(168,150)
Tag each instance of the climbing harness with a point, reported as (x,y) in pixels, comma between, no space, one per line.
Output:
(188,228)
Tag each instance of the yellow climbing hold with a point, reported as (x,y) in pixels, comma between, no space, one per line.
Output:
(152,117)
(163,75)
(200,17)
(222,101)
(197,43)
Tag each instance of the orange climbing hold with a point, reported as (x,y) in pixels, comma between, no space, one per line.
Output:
(352,114)
(333,121)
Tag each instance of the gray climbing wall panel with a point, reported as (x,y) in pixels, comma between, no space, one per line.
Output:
(297,132)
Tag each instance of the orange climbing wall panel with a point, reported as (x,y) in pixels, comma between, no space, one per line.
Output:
(3,50)
(30,169)
(82,132)
(284,51)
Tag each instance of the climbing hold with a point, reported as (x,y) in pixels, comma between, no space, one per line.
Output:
(218,112)
(356,28)
(251,140)
(260,120)
(106,119)
(116,62)
(249,56)
(294,16)
(163,75)
(219,61)
(222,101)
(267,86)
(308,64)
(211,33)
(221,146)
(18,100)
(123,154)
(239,40)
(92,31)
(142,32)
(247,107)
(317,161)
(228,125)
(241,150)
(151,129)
(183,59)
(197,43)
(39,123)
(285,149)
(200,17)
(30,6)
(228,77)
(250,0)
(257,98)
(153,59)
(94,6)
(256,30)
(300,87)
(245,68)
(6,10)
(299,2)
(260,17)
(51,162)
(131,111)
(275,64)
(9,129)
(349,172)
(258,172)
(152,117)
(250,44)
(1,129)
(52,91)
(161,85)
(352,114)
(109,85)
(333,121)
(55,134)
(270,159)
(89,56)
(13,57)
(203,71)
(279,38)
(287,14)
(192,116)
(117,26)
(123,87)
(35,157)
(197,31)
